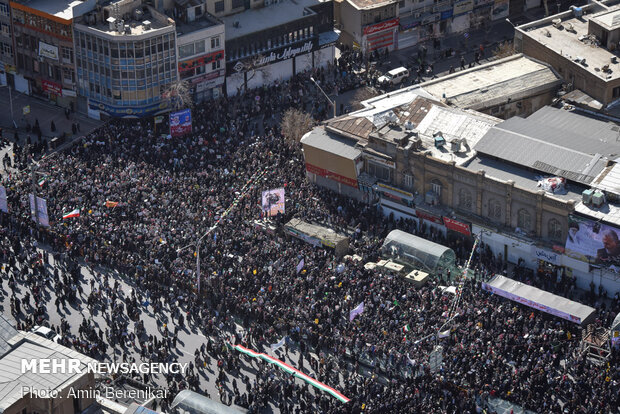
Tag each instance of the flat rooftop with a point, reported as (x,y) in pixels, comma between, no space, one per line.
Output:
(571,40)
(136,26)
(201,23)
(59,8)
(477,88)
(522,177)
(255,20)
(370,4)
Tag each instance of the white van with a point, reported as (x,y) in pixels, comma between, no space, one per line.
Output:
(394,77)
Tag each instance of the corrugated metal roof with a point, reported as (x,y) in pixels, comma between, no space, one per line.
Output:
(321,139)
(556,142)
(7,331)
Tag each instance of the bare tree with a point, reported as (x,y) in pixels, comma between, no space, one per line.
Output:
(178,95)
(295,124)
(363,94)
(504,49)
(252,67)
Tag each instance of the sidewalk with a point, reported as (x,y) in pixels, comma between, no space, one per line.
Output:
(44,111)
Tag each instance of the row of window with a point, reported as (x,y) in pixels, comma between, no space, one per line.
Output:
(42,24)
(4,10)
(197,47)
(6,49)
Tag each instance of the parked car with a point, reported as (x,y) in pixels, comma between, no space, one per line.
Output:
(394,76)
(46,333)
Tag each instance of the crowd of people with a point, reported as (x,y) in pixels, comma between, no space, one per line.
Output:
(144,197)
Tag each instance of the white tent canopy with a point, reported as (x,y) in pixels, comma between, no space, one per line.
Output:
(539,299)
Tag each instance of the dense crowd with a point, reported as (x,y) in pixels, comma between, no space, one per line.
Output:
(172,190)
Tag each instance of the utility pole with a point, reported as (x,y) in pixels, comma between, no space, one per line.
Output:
(333,103)
(34,192)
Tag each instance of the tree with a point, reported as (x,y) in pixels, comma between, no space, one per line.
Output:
(251,67)
(363,94)
(178,95)
(295,124)
(504,49)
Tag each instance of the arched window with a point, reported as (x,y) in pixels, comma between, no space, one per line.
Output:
(524,219)
(495,209)
(555,229)
(465,199)
(436,187)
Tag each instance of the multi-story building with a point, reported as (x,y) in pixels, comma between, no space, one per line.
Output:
(200,50)
(126,59)
(277,41)
(7,61)
(582,45)
(368,25)
(44,51)
(520,185)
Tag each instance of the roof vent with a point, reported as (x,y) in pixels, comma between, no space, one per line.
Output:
(586,196)
(146,25)
(547,33)
(137,14)
(112,21)
(598,199)
(577,11)
(557,23)
(409,126)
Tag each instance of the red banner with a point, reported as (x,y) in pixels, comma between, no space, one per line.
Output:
(428,217)
(331,175)
(51,87)
(388,24)
(454,225)
(200,61)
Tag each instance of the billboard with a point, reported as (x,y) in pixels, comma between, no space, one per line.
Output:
(273,202)
(181,122)
(592,242)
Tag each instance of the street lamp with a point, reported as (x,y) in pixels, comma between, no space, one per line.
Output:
(333,103)
(197,245)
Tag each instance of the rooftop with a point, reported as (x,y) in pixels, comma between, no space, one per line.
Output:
(320,138)
(522,177)
(133,27)
(255,20)
(30,346)
(369,4)
(64,9)
(483,86)
(200,23)
(571,39)
(608,212)
(427,118)
(555,141)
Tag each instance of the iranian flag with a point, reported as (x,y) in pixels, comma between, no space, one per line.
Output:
(42,181)
(406,328)
(71,214)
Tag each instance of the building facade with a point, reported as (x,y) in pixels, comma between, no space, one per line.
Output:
(7,61)
(44,53)
(275,42)
(368,25)
(126,60)
(200,50)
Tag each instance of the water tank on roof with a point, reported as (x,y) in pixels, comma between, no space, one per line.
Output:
(577,11)
(598,199)
(586,196)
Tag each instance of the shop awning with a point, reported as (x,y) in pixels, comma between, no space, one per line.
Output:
(539,299)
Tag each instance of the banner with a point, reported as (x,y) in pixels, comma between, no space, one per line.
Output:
(273,202)
(4,205)
(300,266)
(457,226)
(41,215)
(592,242)
(278,344)
(181,122)
(51,87)
(48,51)
(357,311)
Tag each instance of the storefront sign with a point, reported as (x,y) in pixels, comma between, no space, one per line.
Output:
(446,14)
(546,256)
(277,55)
(331,175)
(457,226)
(463,6)
(48,51)
(51,87)
(123,111)
(430,19)
(483,3)
(428,217)
(379,27)
(397,190)
(69,92)
(211,76)
(207,59)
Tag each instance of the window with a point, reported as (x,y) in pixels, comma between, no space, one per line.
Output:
(408,180)
(67,54)
(237,3)
(616,92)
(186,50)
(7,49)
(524,219)
(495,209)
(215,42)
(5,30)
(465,199)
(436,187)
(215,64)
(379,171)
(4,10)
(219,6)
(199,46)
(555,229)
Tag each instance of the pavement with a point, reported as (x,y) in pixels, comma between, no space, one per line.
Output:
(41,110)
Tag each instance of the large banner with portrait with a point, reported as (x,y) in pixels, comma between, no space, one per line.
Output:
(593,242)
(273,202)
(180,122)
